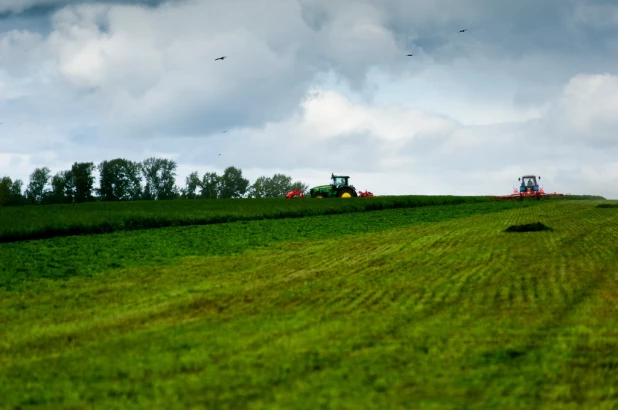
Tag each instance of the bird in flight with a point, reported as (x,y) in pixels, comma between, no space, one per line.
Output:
(410,55)
(220,58)
(464,30)
(224,131)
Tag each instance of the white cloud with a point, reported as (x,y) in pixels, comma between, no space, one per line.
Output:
(588,109)
(467,114)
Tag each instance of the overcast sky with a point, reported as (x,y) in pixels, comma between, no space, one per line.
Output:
(314,87)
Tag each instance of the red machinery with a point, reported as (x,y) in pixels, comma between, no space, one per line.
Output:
(295,194)
(365,194)
(529,188)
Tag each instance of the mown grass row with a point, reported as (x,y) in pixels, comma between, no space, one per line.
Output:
(22,263)
(44,222)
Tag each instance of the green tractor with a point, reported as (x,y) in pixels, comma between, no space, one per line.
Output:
(338,188)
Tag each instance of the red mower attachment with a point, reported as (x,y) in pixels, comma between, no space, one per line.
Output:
(365,194)
(294,194)
(529,189)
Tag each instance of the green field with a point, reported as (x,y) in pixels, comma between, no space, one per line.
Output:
(42,222)
(20,223)
(432,307)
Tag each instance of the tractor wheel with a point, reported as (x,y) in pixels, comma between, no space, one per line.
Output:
(318,196)
(346,193)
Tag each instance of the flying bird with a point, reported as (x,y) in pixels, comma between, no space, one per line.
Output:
(410,55)
(224,131)
(220,58)
(464,30)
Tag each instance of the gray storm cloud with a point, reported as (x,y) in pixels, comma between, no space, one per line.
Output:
(10,8)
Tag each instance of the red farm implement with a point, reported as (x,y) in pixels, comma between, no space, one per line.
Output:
(529,188)
(295,194)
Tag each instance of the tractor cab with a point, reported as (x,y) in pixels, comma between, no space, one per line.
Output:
(529,183)
(339,181)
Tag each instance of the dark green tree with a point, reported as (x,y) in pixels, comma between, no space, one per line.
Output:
(299,186)
(119,180)
(16,193)
(192,183)
(11,192)
(279,185)
(233,185)
(39,181)
(211,185)
(259,187)
(5,191)
(61,188)
(83,181)
(160,178)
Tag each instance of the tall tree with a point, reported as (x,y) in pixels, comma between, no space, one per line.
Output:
(211,185)
(259,187)
(192,183)
(83,181)
(233,185)
(10,192)
(299,186)
(160,178)
(279,185)
(16,193)
(5,191)
(119,180)
(39,180)
(61,188)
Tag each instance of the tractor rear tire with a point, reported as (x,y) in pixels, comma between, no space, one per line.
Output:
(346,193)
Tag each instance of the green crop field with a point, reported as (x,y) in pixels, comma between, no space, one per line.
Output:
(432,307)
(42,222)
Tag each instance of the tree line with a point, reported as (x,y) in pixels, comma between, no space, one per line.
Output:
(124,180)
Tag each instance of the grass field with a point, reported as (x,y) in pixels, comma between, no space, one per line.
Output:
(434,308)
(43,222)
(88,255)
(20,223)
